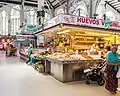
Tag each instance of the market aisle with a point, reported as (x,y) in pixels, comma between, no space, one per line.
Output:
(18,79)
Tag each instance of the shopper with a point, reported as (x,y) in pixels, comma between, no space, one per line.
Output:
(50,49)
(93,49)
(8,48)
(30,50)
(108,50)
(111,70)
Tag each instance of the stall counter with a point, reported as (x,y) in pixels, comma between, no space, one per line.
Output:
(68,70)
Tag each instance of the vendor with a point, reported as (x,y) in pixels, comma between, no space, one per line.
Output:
(93,48)
(61,47)
(50,49)
(8,48)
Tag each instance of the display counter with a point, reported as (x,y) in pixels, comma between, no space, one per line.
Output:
(23,56)
(68,70)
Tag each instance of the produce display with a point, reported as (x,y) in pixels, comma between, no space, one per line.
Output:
(69,56)
(38,67)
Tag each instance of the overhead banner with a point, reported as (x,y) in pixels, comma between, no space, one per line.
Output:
(90,22)
(81,21)
(40,4)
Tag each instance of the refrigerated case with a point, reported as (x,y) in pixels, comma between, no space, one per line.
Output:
(25,40)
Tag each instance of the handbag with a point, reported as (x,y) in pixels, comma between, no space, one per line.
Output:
(104,68)
(118,73)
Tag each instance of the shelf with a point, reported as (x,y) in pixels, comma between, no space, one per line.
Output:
(81,47)
(83,42)
(90,42)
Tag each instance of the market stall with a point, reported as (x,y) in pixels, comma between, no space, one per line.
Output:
(22,43)
(83,37)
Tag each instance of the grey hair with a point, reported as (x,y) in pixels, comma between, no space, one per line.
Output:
(113,47)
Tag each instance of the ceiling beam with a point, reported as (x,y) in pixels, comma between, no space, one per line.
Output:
(110,1)
(30,2)
(114,2)
(53,1)
(117,5)
(18,2)
(112,6)
(59,4)
(50,4)
(35,1)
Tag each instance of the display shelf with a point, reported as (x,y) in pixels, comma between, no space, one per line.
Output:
(85,42)
(23,56)
(82,47)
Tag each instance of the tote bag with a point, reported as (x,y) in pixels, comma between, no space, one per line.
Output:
(118,73)
(105,65)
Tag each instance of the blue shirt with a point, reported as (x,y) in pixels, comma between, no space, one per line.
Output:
(112,58)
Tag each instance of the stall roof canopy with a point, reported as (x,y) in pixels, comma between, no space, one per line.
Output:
(115,4)
(52,3)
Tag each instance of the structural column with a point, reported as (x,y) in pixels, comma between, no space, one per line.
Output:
(93,4)
(9,22)
(91,8)
(41,8)
(67,7)
(40,4)
(22,14)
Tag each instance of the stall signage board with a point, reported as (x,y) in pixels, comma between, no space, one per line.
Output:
(80,21)
(90,22)
(21,38)
(24,37)
(56,20)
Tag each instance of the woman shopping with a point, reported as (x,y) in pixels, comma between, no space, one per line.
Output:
(111,70)
(8,48)
(30,51)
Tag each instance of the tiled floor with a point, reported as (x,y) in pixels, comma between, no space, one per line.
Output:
(18,79)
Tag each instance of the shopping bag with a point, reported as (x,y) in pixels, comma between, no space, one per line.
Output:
(118,73)
(105,66)
(104,69)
